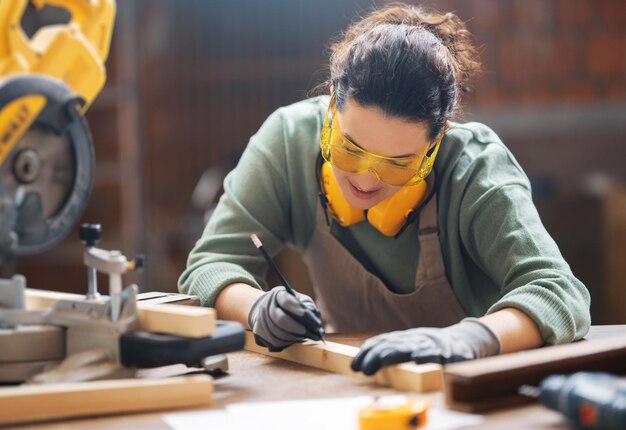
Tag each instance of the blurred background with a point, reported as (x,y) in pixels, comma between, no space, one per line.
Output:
(190,81)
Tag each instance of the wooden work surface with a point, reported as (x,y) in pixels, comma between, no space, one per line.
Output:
(256,378)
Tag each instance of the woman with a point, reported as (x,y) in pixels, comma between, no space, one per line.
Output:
(410,224)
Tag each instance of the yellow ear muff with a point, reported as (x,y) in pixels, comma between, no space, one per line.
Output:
(344,213)
(390,215)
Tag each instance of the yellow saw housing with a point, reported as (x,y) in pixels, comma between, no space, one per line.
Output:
(47,82)
(73,53)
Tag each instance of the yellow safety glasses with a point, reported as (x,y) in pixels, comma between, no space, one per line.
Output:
(339,151)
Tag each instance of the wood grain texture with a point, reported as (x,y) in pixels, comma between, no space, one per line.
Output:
(180,320)
(39,299)
(336,357)
(32,403)
(491,383)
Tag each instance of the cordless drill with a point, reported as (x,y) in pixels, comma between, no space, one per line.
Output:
(591,400)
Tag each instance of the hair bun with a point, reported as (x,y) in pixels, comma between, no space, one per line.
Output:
(410,61)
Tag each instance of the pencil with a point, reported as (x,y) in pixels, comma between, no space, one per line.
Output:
(270,262)
(279,274)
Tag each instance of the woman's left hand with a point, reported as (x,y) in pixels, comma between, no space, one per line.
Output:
(466,340)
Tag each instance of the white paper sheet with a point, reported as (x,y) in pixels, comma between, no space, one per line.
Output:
(205,420)
(320,414)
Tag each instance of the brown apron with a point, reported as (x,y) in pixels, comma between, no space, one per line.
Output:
(353,300)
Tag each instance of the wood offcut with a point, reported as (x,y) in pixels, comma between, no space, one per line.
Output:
(32,403)
(178,320)
(491,383)
(336,357)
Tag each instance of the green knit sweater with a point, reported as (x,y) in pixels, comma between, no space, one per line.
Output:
(496,251)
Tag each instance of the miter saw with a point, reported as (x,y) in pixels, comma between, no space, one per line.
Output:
(46,173)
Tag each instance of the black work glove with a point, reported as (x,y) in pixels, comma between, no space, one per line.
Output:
(466,340)
(278,319)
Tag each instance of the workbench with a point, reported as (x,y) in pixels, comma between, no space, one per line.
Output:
(257,378)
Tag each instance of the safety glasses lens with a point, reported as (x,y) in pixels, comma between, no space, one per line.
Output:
(348,157)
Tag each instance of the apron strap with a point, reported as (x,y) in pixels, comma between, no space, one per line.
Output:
(430,265)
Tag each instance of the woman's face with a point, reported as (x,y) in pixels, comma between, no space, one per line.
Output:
(375,132)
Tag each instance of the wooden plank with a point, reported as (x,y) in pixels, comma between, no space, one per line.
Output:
(336,357)
(32,403)
(180,320)
(614,293)
(39,299)
(491,383)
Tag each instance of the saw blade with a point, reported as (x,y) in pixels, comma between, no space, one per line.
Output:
(41,164)
(47,175)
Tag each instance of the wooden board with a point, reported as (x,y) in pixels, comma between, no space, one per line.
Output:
(39,299)
(32,403)
(180,320)
(336,357)
(614,293)
(491,383)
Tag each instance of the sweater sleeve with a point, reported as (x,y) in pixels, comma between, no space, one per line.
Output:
(255,200)
(502,232)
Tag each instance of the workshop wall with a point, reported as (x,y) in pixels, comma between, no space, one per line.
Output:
(191,81)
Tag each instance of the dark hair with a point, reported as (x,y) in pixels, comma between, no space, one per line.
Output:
(410,62)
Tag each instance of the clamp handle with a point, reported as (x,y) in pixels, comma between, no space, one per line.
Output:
(90,234)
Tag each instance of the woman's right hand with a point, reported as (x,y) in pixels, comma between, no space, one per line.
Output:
(279,319)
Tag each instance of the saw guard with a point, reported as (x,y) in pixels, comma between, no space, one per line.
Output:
(74,53)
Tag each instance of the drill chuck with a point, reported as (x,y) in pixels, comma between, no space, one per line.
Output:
(592,400)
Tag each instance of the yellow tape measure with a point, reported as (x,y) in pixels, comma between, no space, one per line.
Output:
(394,414)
